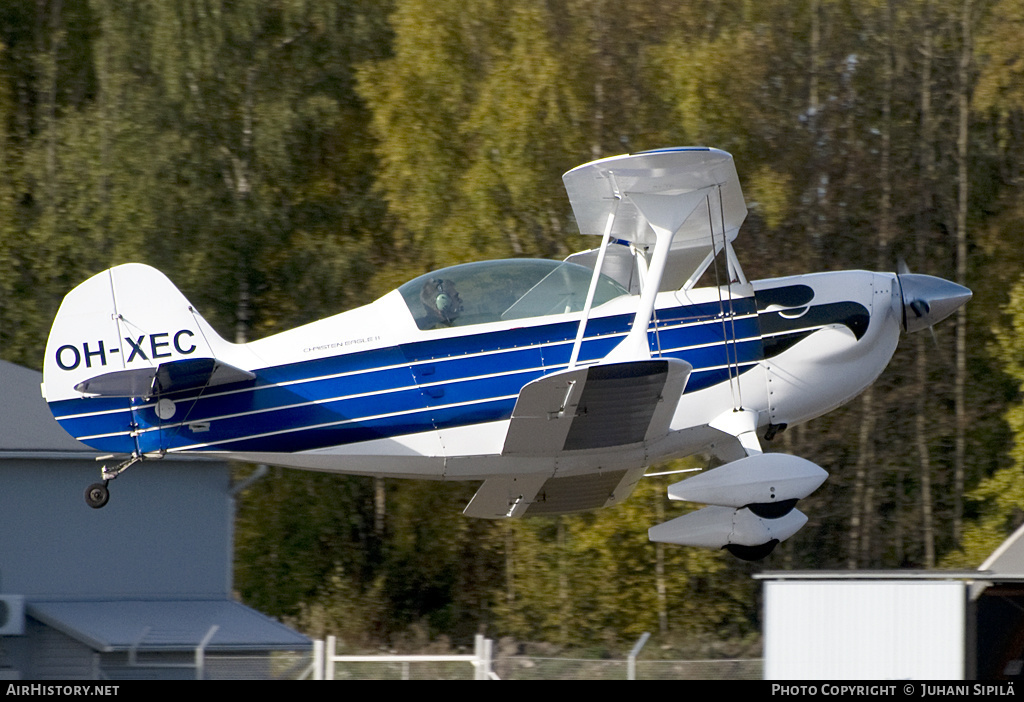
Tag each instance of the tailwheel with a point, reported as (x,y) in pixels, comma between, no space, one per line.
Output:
(97,495)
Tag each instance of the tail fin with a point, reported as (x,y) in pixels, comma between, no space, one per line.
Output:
(128,332)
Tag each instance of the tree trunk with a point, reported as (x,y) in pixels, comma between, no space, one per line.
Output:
(963,100)
(861,523)
(922,424)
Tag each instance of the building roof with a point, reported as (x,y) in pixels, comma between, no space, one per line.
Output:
(890,575)
(26,425)
(1009,557)
(166,625)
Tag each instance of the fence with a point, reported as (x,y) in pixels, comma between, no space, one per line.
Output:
(390,667)
(482,664)
(535,668)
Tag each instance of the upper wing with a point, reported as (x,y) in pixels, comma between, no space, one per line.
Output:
(693,193)
(686,190)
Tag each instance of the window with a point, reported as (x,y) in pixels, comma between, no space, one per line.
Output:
(495,291)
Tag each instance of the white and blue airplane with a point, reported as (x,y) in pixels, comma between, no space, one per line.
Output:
(555,384)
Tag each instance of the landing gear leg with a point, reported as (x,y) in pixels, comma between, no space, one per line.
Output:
(97,495)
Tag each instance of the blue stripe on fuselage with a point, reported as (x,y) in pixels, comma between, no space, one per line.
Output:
(414,387)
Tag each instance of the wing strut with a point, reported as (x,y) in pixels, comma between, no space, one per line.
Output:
(665,214)
(581,330)
(732,360)
(647,200)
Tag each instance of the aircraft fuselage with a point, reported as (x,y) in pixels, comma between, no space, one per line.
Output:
(375,394)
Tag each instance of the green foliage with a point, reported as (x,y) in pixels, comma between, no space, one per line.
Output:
(329,520)
(285,160)
(1001,81)
(719,87)
(595,578)
(999,498)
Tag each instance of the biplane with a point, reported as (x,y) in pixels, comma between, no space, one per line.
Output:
(554,384)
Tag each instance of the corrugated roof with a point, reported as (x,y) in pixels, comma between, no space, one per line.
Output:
(176,625)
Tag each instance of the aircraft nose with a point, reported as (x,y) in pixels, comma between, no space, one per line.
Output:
(928,300)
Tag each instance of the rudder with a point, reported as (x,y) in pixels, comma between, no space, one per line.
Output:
(114,332)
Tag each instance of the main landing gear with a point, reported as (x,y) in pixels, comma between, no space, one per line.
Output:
(97,495)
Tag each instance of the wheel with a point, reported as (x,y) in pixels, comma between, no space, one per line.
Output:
(97,495)
(772,510)
(752,553)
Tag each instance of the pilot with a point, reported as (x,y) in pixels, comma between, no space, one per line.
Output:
(442,302)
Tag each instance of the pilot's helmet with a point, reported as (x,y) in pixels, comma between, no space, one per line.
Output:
(441,300)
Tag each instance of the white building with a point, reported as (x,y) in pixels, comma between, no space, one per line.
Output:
(898,625)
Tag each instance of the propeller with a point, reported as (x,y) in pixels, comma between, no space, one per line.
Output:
(918,306)
(927,300)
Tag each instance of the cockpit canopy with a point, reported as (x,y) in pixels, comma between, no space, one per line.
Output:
(497,291)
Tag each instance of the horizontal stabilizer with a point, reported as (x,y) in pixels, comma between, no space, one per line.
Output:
(718,527)
(175,376)
(761,479)
(614,404)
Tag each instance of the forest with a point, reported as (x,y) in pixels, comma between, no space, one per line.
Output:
(285,160)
